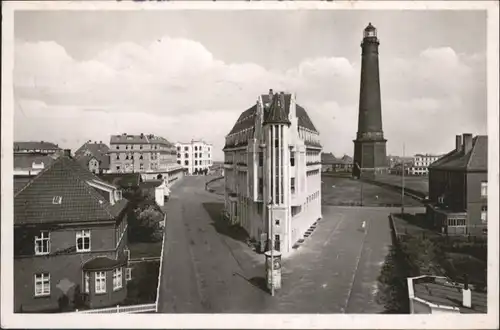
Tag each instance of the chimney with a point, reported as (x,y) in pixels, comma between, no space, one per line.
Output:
(467,137)
(458,142)
(271,95)
(100,142)
(466,293)
(67,152)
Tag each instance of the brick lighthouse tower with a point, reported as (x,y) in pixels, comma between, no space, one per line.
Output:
(370,146)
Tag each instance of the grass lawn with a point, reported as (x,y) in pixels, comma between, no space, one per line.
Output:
(346,191)
(418,183)
(145,250)
(413,224)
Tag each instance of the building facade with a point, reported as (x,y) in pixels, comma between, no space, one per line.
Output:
(272,173)
(94,155)
(458,188)
(36,147)
(69,241)
(421,163)
(152,156)
(370,155)
(194,156)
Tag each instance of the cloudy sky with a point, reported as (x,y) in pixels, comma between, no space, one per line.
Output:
(189,74)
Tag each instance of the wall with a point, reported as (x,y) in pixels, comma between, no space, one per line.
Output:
(61,267)
(475,202)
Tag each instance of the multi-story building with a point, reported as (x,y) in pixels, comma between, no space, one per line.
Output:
(458,188)
(437,295)
(331,163)
(94,155)
(421,163)
(152,156)
(272,168)
(195,156)
(35,147)
(69,241)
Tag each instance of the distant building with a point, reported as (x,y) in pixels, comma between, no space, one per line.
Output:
(30,164)
(437,295)
(195,156)
(36,147)
(152,156)
(458,188)
(272,172)
(69,241)
(330,163)
(95,156)
(421,163)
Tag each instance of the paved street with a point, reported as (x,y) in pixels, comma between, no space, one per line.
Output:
(204,271)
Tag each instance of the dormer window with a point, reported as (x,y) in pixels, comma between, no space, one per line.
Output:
(57,200)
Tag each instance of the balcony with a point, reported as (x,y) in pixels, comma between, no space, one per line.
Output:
(242,166)
(228,164)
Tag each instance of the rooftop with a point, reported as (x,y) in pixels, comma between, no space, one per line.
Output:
(139,139)
(61,193)
(35,145)
(440,291)
(25,161)
(123,180)
(475,159)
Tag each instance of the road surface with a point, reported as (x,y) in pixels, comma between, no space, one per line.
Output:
(205,270)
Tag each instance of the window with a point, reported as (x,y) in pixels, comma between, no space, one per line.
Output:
(292,159)
(42,284)
(117,147)
(186,148)
(484,215)
(117,156)
(118,195)
(126,157)
(86,282)
(196,162)
(292,185)
(484,189)
(100,282)
(57,200)
(277,243)
(83,241)
(440,200)
(128,274)
(141,166)
(261,186)
(179,162)
(117,279)
(277,222)
(178,148)
(117,167)
(261,158)
(186,162)
(42,243)
(126,147)
(140,147)
(195,148)
(141,157)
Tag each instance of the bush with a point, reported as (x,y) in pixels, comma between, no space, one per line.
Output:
(142,288)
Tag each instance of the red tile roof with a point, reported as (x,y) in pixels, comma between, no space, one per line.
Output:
(103,263)
(474,160)
(277,113)
(65,177)
(26,161)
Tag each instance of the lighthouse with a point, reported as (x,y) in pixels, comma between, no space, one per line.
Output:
(370,145)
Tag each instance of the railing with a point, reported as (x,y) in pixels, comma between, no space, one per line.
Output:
(121,309)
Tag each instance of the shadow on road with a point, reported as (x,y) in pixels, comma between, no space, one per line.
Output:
(214,210)
(258,281)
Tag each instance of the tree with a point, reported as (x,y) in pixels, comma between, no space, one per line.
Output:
(148,223)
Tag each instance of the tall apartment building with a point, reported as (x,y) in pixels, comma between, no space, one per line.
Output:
(272,169)
(152,156)
(420,164)
(195,156)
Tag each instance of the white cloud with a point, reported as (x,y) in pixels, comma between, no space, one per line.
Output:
(177,89)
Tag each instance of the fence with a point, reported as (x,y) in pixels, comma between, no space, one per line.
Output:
(121,309)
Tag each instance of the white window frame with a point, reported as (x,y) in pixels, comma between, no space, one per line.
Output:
(86,282)
(40,280)
(57,200)
(440,200)
(100,282)
(83,234)
(484,189)
(117,279)
(484,215)
(118,195)
(40,239)
(128,274)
